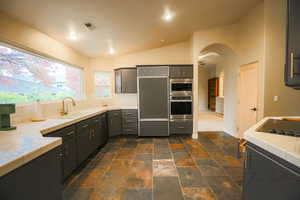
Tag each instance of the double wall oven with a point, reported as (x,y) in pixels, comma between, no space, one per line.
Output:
(181,99)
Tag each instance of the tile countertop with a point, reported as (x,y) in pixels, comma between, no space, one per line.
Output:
(285,147)
(20,146)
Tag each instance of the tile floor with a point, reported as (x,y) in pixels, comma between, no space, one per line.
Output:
(175,168)
(210,121)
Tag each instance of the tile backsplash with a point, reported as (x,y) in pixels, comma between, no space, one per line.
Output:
(24,112)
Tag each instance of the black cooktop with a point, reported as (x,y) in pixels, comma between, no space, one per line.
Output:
(281,127)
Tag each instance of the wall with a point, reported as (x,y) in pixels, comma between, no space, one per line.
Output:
(179,53)
(245,39)
(23,36)
(288,103)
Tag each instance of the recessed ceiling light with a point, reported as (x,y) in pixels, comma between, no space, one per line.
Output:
(73,36)
(111,51)
(168,15)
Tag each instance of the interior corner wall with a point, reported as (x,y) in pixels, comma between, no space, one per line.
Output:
(288,101)
(23,36)
(179,53)
(246,39)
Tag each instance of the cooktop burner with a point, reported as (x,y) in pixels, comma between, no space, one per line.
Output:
(281,127)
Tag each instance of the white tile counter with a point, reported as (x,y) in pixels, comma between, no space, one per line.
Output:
(20,146)
(285,147)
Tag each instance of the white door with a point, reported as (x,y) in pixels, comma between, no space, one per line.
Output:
(248,95)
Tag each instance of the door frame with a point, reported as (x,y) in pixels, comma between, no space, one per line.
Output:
(258,107)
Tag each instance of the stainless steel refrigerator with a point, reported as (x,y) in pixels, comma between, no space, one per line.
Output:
(153,100)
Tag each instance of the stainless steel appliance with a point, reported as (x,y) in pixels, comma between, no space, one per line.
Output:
(153,100)
(181,107)
(179,87)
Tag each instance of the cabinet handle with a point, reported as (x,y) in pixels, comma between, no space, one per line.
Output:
(181,127)
(292,65)
(85,126)
(70,133)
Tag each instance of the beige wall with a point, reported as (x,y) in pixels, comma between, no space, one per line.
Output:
(18,34)
(288,104)
(245,41)
(179,53)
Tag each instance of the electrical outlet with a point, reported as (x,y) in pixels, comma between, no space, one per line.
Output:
(275,98)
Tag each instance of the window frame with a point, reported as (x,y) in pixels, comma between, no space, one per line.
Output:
(39,54)
(111,85)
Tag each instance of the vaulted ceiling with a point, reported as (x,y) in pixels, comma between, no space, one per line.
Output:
(124,25)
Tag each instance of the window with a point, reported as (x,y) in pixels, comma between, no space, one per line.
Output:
(25,77)
(103,82)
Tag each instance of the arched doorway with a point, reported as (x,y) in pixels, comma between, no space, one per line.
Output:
(218,68)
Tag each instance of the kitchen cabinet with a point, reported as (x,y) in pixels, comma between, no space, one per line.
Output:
(181,127)
(104,130)
(84,140)
(130,122)
(126,80)
(96,131)
(114,122)
(181,71)
(36,180)
(267,176)
(292,67)
(68,149)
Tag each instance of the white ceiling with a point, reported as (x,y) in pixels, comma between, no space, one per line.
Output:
(125,25)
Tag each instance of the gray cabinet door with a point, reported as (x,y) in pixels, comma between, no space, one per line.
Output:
(267,178)
(114,123)
(153,128)
(129,80)
(292,71)
(153,98)
(84,141)
(126,80)
(38,179)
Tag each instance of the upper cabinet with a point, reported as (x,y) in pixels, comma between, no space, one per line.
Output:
(292,68)
(181,71)
(126,80)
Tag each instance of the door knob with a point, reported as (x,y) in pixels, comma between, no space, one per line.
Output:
(253,109)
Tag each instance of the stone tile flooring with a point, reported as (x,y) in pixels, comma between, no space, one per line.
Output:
(174,168)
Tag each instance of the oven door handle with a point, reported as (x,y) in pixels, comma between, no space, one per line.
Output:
(181,100)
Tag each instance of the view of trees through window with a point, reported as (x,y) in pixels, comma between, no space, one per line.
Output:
(103,84)
(27,78)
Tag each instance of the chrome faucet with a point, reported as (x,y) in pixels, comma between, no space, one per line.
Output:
(65,110)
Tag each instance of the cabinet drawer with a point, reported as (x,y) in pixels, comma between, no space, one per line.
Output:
(129,113)
(181,127)
(130,131)
(115,113)
(65,133)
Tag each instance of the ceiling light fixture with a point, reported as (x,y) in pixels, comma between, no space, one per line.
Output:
(73,36)
(111,51)
(168,15)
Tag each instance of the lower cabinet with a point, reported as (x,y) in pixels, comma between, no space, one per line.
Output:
(104,130)
(181,127)
(129,122)
(114,122)
(154,128)
(68,149)
(36,180)
(267,176)
(85,141)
